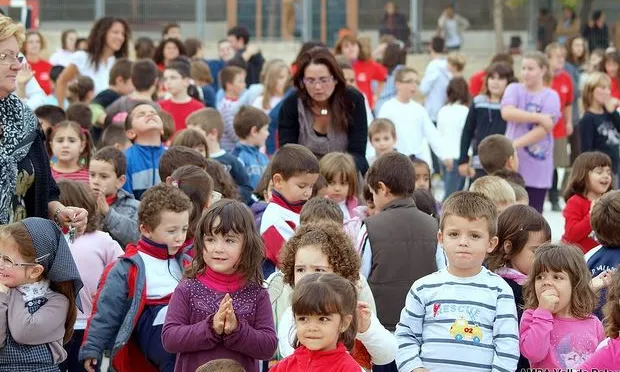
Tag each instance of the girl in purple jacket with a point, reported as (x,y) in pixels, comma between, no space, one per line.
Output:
(220,310)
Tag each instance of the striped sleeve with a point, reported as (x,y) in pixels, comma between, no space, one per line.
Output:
(409,333)
(506,333)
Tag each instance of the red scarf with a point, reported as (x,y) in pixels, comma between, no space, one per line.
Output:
(111,199)
(223,283)
(278,199)
(156,250)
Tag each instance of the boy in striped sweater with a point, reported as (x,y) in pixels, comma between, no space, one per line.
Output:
(463,317)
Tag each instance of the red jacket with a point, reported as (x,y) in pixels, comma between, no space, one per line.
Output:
(365,73)
(476,83)
(337,360)
(562,83)
(577,228)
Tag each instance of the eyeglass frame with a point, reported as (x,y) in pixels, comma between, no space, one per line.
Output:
(321,81)
(19,58)
(13,265)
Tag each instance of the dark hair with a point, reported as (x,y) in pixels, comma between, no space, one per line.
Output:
(228,74)
(129,119)
(158,199)
(196,183)
(79,195)
(393,56)
(351,39)
(514,226)
(79,89)
(570,57)
(221,365)
(611,56)
(503,70)
(611,310)
(169,26)
(472,206)
(597,14)
(65,35)
(158,55)
(178,156)
(339,106)
(192,46)
(263,184)
(494,151)
(324,294)
(320,209)
(425,201)
(83,134)
(556,258)
(191,138)
(113,156)
(81,114)
(113,135)
(224,217)
(240,32)
(222,180)
(367,195)
(122,68)
(438,44)
(582,166)
(458,91)
(422,163)
(81,40)
(605,219)
(97,39)
(510,176)
(503,57)
(55,72)
(53,114)
(306,47)
(249,117)
(144,48)
(144,74)
(293,159)
(394,170)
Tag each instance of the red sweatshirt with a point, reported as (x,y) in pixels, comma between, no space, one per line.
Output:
(41,70)
(577,228)
(562,83)
(180,111)
(337,360)
(476,83)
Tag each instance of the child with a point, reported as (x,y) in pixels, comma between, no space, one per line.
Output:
(134,292)
(92,252)
(120,85)
(342,181)
(497,189)
(252,127)
(599,127)
(371,209)
(177,82)
(210,121)
(232,79)
(497,152)
(177,157)
(262,196)
(49,116)
(223,182)
(192,138)
(221,365)
(422,174)
(450,122)
(403,239)
(116,137)
(277,76)
(436,79)
(520,231)
(144,129)
(328,302)
(591,177)
(117,207)
(436,310)
(81,114)
(607,355)
(71,146)
(531,111)
(321,209)
(81,90)
(558,329)
(234,319)
(294,170)
(610,65)
(323,247)
(382,137)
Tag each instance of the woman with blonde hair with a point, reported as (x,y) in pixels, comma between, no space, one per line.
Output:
(33,48)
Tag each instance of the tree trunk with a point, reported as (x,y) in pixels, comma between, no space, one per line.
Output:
(584,12)
(498,25)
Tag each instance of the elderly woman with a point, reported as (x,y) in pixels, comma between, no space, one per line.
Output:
(27,188)
(324,114)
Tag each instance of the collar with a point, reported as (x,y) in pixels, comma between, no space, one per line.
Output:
(400,203)
(251,148)
(111,199)
(512,274)
(222,152)
(223,283)
(156,250)
(278,199)
(320,358)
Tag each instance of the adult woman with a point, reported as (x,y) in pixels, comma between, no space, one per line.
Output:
(107,41)
(324,114)
(168,50)
(27,188)
(32,48)
(395,24)
(62,57)
(569,26)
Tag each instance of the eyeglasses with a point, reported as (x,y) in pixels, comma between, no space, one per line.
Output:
(11,59)
(8,263)
(321,81)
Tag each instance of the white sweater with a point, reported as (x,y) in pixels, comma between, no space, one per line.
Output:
(450,123)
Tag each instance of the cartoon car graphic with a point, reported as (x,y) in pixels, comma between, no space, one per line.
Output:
(461,329)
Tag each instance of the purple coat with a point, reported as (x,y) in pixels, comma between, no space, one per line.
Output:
(188,328)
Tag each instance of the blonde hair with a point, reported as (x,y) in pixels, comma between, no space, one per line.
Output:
(338,165)
(542,61)
(9,28)
(271,73)
(457,60)
(381,125)
(495,188)
(553,47)
(595,80)
(41,38)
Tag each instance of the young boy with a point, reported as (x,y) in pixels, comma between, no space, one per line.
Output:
(119,209)
(397,245)
(81,114)
(497,189)
(144,129)
(320,209)
(382,136)
(115,136)
(462,317)
(497,152)
(181,104)
(437,76)
(178,156)
(145,79)
(232,79)
(252,128)
(134,292)
(412,123)
(210,122)
(247,56)
(294,170)
(49,116)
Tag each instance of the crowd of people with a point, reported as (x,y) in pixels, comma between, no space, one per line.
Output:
(177,213)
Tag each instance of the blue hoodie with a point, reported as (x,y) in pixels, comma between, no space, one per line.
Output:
(142,168)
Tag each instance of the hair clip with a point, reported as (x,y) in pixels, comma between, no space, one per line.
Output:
(174,183)
(39,259)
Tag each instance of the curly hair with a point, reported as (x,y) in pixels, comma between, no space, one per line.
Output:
(334,243)
(611,310)
(97,39)
(158,55)
(158,199)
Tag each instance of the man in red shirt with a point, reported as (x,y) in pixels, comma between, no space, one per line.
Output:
(476,81)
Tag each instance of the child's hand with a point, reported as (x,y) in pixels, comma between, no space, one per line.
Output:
(4,288)
(546,121)
(90,364)
(548,299)
(612,104)
(219,319)
(421,369)
(364,314)
(231,321)
(602,280)
(102,204)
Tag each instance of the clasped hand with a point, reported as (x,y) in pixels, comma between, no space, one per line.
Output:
(225,320)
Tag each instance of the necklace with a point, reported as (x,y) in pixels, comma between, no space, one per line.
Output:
(324,111)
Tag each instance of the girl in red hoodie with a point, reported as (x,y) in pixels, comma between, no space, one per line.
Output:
(591,177)
(324,306)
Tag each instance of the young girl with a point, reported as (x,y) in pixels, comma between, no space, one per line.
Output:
(192,138)
(608,354)
(39,282)
(276,78)
(599,127)
(450,122)
(590,178)
(220,309)
(531,110)
(81,90)
(325,309)
(92,252)
(520,231)
(70,144)
(342,183)
(611,66)
(223,183)
(324,247)
(181,104)
(558,329)
(422,174)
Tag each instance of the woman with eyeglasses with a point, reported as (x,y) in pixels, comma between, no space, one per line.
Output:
(27,188)
(324,114)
